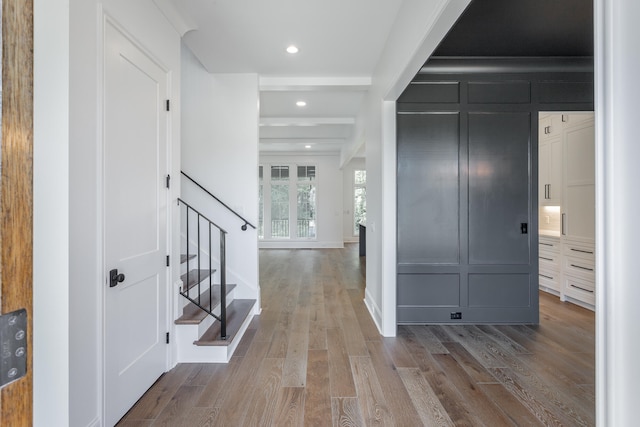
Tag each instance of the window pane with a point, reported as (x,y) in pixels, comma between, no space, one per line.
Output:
(359,177)
(279,211)
(306,173)
(306,211)
(359,208)
(261,210)
(279,173)
(260,204)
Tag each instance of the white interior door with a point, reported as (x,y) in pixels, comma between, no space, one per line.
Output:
(135,209)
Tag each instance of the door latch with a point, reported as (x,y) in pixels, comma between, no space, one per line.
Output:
(115,278)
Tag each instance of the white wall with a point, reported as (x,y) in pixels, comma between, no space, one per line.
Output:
(220,151)
(329,181)
(51,214)
(347,197)
(617,203)
(150,29)
(419,27)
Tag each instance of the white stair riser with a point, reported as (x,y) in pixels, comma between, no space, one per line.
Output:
(190,353)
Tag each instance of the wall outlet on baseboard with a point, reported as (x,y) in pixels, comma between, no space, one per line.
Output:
(456,315)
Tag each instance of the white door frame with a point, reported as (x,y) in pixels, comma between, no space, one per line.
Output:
(103,19)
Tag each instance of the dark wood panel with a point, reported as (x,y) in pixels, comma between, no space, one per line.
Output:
(509,92)
(436,92)
(428,186)
(16,194)
(565,92)
(499,191)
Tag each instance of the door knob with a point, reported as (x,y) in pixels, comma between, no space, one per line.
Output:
(115,278)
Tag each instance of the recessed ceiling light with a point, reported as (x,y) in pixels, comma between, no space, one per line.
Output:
(307,146)
(292,49)
(301,103)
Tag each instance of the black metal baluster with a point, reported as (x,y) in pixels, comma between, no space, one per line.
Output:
(186,285)
(199,252)
(210,272)
(223,287)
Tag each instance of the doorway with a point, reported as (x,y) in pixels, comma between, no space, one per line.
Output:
(566,200)
(135,221)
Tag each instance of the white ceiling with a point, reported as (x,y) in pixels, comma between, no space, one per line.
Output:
(340,42)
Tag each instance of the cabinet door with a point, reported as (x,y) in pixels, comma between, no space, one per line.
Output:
(544,160)
(550,171)
(579,184)
(554,189)
(550,126)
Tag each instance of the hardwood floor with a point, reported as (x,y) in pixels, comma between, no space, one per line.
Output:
(315,358)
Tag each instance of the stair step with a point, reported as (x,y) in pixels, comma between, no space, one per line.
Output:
(237,312)
(184,258)
(193,315)
(193,278)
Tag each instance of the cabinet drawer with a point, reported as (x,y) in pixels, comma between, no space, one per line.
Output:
(579,250)
(549,259)
(549,279)
(549,246)
(579,267)
(580,289)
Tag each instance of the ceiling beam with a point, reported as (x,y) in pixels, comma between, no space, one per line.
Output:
(314,83)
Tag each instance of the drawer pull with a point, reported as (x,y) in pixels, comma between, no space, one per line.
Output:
(582,251)
(581,268)
(582,289)
(548,259)
(546,244)
(546,277)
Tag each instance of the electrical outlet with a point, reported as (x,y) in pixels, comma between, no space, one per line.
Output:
(456,315)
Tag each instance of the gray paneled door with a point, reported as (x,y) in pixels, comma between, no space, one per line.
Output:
(467,215)
(463,200)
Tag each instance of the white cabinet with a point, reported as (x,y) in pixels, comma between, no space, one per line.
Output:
(549,264)
(567,180)
(550,125)
(578,270)
(550,171)
(579,193)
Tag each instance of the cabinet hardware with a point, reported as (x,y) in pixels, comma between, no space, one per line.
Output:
(562,224)
(582,251)
(548,259)
(565,118)
(581,268)
(546,277)
(546,244)
(548,191)
(582,289)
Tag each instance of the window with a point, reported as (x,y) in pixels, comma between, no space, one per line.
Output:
(288,192)
(306,202)
(359,200)
(280,201)
(260,204)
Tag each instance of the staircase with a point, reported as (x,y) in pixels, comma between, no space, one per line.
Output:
(211,321)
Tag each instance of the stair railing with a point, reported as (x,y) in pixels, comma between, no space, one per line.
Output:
(246,222)
(185,291)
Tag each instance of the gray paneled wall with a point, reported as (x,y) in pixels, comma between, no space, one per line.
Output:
(467,189)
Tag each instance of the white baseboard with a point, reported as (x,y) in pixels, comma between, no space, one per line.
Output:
(374,310)
(300,244)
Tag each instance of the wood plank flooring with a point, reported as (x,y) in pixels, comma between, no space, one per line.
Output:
(314,358)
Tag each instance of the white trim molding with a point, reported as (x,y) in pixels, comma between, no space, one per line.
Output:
(617,88)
